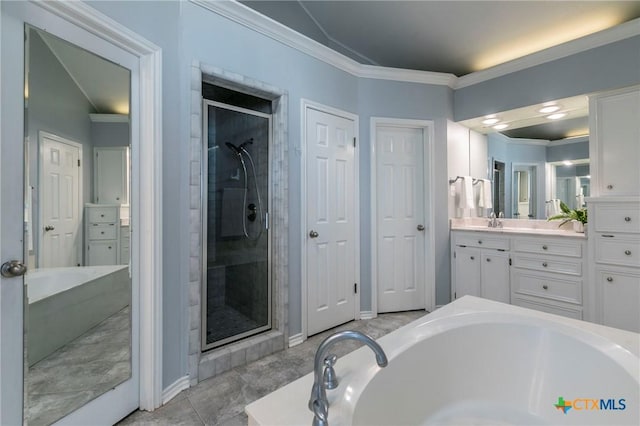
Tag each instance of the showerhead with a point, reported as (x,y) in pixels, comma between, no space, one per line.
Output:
(234,148)
(247,142)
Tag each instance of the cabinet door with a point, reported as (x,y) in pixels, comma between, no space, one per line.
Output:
(620,299)
(615,134)
(467,271)
(111,175)
(495,276)
(102,253)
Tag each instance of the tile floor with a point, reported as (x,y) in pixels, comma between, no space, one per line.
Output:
(220,400)
(79,371)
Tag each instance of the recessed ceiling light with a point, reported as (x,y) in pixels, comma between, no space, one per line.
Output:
(556,116)
(490,121)
(500,126)
(549,109)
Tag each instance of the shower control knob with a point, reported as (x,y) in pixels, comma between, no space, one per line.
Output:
(313,234)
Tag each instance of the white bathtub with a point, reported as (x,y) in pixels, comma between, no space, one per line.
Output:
(64,303)
(478,362)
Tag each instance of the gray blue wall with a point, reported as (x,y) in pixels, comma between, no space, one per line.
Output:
(110,134)
(571,151)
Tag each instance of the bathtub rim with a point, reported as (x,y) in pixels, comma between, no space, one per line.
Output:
(288,404)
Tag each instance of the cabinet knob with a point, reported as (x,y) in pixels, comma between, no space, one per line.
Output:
(544,264)
(609,186)
(479,241)
(545,287)
(472,258)
(627,219)
(627,252)
(610,279)
(544,247)
(109,247)
(488,259)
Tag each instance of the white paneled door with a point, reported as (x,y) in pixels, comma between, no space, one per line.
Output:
(60,222)
(400,214)
(331,220)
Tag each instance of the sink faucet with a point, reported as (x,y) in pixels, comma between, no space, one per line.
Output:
(495,222)
(318,402)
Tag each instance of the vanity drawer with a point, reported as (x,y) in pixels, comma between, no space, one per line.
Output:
(102,214)
(102,232)
(618,250)
(548,264)
(481,240)
(546,287)
(617,218)
(554,247)
(544,307)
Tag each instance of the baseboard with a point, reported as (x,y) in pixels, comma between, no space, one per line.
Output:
(296,339)
(174,389)
(367,315)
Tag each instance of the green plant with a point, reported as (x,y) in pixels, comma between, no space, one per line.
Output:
(569,214)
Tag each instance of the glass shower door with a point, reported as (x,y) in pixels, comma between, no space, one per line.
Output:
(237,285)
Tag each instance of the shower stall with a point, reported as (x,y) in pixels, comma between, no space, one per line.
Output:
(236,282)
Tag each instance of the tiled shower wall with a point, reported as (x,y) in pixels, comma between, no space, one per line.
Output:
(216,361)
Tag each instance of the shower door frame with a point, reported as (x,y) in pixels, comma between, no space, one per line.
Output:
(204,346)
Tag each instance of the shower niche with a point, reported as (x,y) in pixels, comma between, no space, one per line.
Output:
(237,134)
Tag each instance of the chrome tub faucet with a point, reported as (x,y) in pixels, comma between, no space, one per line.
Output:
(324,376)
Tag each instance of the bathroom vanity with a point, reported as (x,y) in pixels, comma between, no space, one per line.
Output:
(532,264)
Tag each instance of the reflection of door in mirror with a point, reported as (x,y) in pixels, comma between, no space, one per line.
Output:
(498,187)
(524,191)
(77,316)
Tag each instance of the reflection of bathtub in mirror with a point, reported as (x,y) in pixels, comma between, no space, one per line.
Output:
(64,303)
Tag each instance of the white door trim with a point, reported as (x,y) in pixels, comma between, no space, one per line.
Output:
(146,186)
(41,135)
(429,179)
(306,104)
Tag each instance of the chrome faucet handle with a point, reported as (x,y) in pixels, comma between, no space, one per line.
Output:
(321,413)
(330,377)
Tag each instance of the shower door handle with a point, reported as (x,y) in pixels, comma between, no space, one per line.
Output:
(313,234)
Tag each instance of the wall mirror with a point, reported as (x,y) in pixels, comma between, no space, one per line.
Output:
(78,287)
(527,145)
(571,182)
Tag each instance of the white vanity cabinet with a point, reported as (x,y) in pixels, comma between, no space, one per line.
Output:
(102,234)
(614,143)
(480,265)
(548,273)
(124,244)
(614,230)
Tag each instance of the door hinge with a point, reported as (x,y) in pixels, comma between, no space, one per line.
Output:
(454,254)
(509,261)
(354,142)
(455,295)
(78,162)
(355,288)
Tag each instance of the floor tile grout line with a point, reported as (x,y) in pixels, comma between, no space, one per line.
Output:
(195,411)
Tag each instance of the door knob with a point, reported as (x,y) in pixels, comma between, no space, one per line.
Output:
(49,228)
(13,268)
(420,227)
(313,234)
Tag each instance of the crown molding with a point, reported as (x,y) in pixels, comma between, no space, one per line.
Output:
(266,26)
(109,118)
(601,38)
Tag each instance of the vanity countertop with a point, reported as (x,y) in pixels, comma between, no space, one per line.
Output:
(515,226)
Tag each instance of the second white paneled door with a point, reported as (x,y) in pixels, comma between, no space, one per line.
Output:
(400,213)
(331,220)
